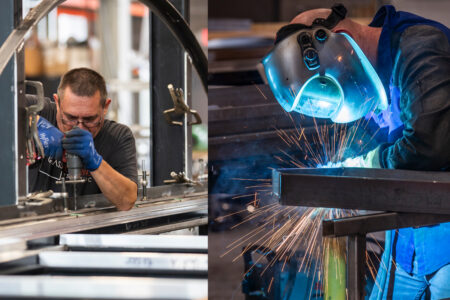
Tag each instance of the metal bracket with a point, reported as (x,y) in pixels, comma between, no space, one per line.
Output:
(180,178)
(179,108)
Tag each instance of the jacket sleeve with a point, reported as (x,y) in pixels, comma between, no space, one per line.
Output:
(422,73)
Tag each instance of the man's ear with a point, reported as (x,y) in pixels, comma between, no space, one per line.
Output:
(105,109)
(56,98)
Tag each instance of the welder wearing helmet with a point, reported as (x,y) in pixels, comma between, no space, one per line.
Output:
(395,71)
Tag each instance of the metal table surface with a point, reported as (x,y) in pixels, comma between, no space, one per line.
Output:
(60,223)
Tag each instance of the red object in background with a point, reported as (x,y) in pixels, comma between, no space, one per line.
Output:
(205,37)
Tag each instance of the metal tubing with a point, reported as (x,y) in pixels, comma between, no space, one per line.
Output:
(364,189)
(379,222)
(356,251)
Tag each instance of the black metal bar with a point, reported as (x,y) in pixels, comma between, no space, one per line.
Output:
(379,222)
(364,189)
(176,16)
(8,161)
(167,65)
(356,250)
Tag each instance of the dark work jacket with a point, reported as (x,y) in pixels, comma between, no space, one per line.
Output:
(414,65)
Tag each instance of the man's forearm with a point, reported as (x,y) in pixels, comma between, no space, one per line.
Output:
(118,189)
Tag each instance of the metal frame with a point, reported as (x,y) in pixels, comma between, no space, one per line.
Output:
(412,198)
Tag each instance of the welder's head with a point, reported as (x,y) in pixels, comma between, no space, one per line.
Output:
(319,73)
(82,101)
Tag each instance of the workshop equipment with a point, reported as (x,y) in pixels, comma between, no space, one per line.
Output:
(410,198)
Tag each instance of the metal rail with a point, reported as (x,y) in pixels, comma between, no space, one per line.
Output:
(76,223)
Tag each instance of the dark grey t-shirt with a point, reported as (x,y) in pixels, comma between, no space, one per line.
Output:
(115,143)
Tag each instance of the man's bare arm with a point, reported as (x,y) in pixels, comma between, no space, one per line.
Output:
(118,189)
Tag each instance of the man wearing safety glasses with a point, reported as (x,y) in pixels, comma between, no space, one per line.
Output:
(395,71)
(76,123)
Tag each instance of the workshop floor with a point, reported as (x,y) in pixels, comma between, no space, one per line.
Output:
(224,275)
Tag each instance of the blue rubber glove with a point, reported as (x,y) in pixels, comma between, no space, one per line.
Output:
(50,137)
(81,143)
(369,160)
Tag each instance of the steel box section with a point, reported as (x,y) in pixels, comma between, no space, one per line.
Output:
(364,189)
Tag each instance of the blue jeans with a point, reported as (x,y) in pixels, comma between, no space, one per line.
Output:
(411,286)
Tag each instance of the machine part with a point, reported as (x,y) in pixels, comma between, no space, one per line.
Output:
(180,177)
(364,189)
(144,182)
(74,166)
(180,108)
(163,9)
(32,134)
(102,287)
(64,193)
(136,243)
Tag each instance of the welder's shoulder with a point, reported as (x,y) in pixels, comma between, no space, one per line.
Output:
(423,36)
(421,48)
(421,41)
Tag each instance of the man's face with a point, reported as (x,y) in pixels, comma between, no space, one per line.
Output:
(85,112)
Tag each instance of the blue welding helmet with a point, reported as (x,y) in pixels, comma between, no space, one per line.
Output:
(322,74)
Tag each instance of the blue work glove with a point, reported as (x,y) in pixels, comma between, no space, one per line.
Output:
(81,143)
(50,137)
(369,160)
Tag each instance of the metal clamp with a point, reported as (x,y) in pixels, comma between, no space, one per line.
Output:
(33,141)
(179,108)
(180,177)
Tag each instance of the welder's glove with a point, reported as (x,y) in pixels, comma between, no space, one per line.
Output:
(50,137)
(369,160)
(81,143)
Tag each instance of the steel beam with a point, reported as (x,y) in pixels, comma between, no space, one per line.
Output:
(364,189)
(379,222)
(356,250)
(167,66)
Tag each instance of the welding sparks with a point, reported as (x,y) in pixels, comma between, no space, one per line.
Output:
(288,231)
